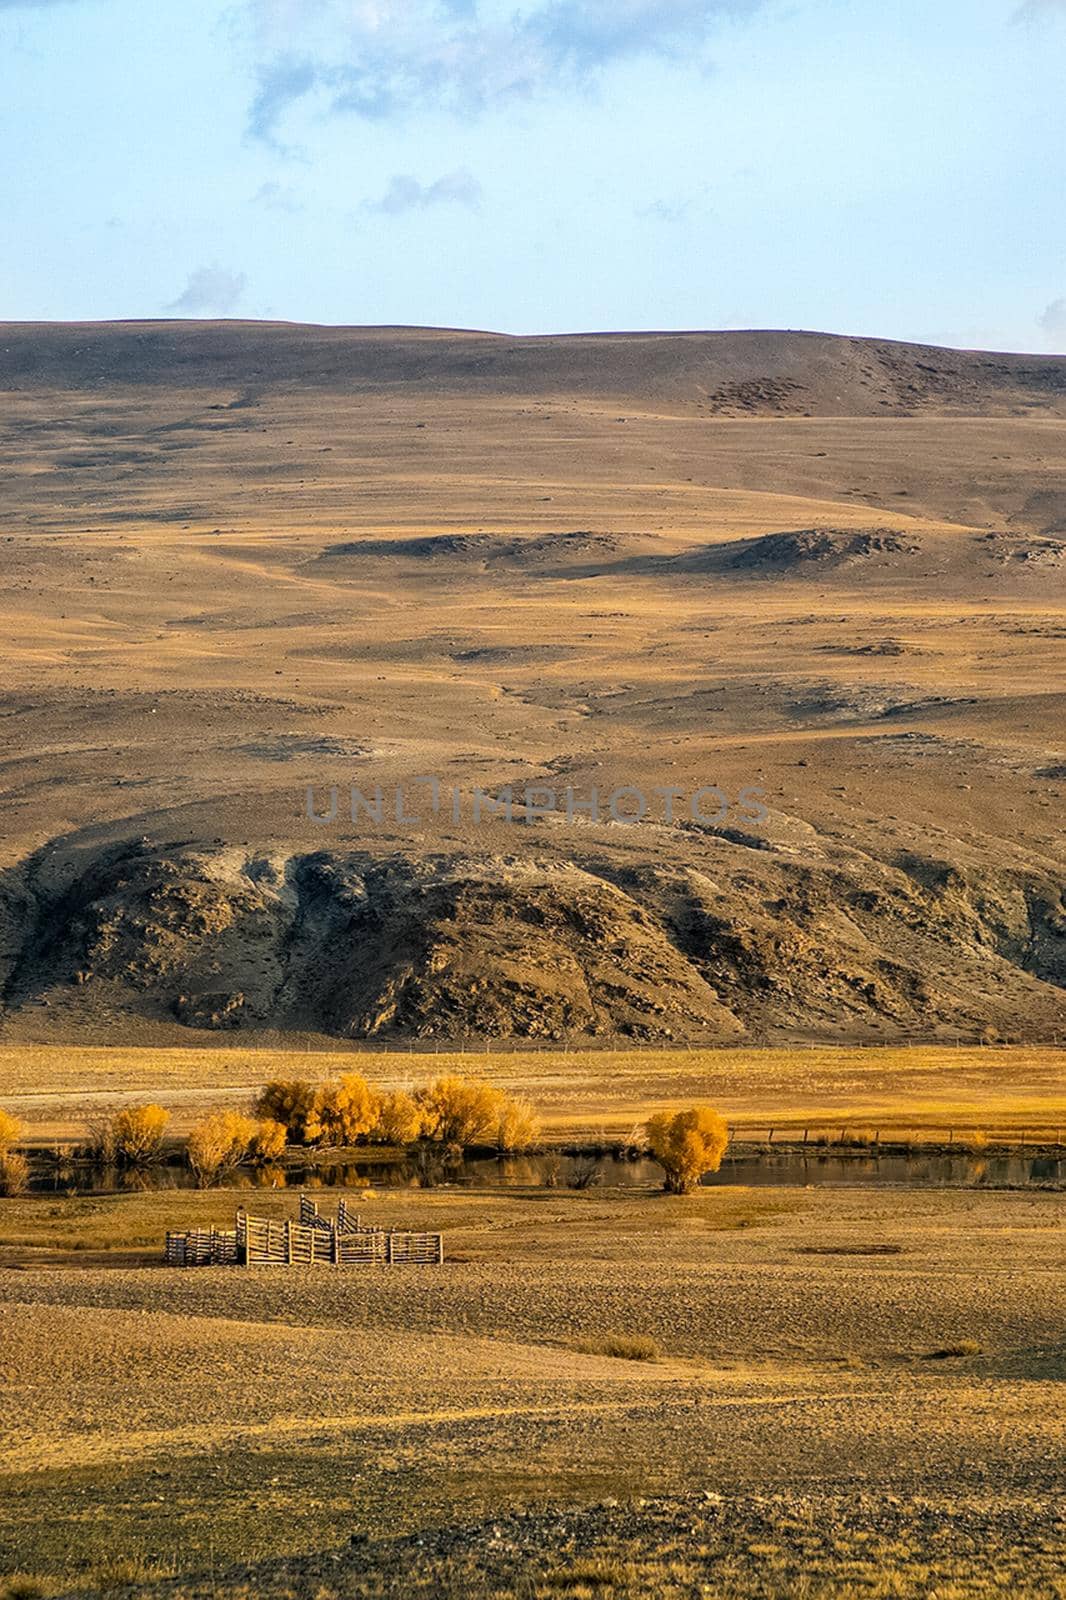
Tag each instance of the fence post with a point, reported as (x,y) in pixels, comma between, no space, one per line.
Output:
(288,1242)
(388,1249)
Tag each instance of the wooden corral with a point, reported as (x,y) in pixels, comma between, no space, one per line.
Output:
(311,1241)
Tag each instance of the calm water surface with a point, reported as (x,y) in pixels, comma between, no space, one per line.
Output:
(569,1172)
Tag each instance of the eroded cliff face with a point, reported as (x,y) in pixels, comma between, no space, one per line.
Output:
(765,945)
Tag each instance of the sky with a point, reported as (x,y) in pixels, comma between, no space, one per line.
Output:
(895,168)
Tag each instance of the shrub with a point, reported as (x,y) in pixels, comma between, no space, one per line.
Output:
(347,1110)
(10,1131)
(518,1127)
(14,1174)
(686,1145)
(964,1347)
(100,1140)
(268,1142)
(625,1346)
(464,1111)
(218,1143)
(400,1119)
(461,1111)
(295,1104)
(584,1173)
(138,1133)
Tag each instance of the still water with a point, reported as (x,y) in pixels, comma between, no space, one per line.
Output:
(579,1172)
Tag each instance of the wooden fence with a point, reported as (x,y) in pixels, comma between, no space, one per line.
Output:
(312,1241)
(202,1247)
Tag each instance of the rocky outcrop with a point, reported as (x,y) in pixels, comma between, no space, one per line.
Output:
(459,946)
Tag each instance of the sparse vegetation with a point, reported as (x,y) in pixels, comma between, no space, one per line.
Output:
(949,1352)
(134,1136)
(623,1346)
(687,1145)
(14,1174)
(10,1131)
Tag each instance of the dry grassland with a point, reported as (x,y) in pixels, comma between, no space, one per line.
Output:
(928,1090)
(185,1421)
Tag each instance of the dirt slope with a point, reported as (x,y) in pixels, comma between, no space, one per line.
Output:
(240,561)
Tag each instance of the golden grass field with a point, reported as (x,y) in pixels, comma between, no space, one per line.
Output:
(200,1422)
(928,1091)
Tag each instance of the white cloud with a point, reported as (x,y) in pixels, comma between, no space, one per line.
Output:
(211,291)
(380,58)
(405,193)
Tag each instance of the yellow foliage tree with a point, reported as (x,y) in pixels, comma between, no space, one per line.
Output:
(347,1110)
(219,1142)
(268,1142)
(14,1174)
(464,1112)
(400,1119)
(137,1133)
(10,1131)
(519,1125)
(686,1145)
(461,1111)
(295,1104)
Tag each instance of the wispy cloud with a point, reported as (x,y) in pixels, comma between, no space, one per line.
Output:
(1053,318)
(212,290)
(381,58)
(277,197)
(281,83)
(666,210)
(405,193)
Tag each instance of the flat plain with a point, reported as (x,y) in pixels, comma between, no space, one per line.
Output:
(1012,1093)
(879,1365)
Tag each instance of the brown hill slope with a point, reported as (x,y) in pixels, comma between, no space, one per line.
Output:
(745,373)
(241,560)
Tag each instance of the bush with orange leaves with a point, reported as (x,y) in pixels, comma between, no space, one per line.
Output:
(686,1145)
(294,1102)
(347,1110)
(464,1112)
(14,1168)
(400,1120)
(137,1134)
(10,1131)
(221,1141)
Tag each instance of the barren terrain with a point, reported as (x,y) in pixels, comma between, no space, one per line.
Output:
(239,560)
(163,1422)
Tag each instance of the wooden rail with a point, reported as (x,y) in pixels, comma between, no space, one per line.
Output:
(311,1241)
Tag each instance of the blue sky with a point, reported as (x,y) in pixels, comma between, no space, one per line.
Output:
(886,167)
